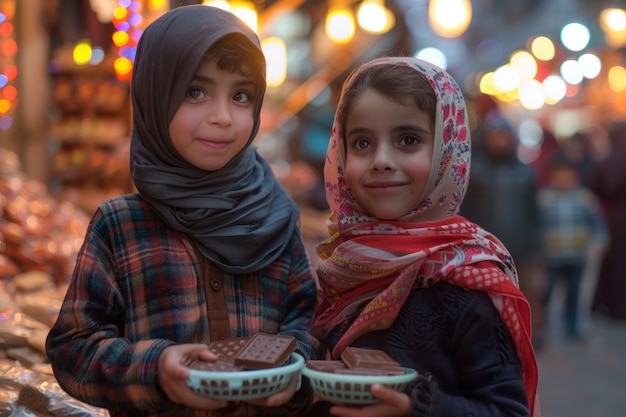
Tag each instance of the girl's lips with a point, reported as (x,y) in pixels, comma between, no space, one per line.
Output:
(214,143)
(384,185)
(384,188)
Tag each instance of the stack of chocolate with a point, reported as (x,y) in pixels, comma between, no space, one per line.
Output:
(260,351)
(359,361)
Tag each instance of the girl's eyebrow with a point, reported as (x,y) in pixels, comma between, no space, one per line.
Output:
(419,128)
(400,128)
(203,79)
(244,82)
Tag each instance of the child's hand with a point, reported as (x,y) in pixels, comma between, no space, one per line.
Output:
(173,374)
(394,404)
(279,398)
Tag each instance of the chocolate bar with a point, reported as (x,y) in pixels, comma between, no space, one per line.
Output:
(325,366)
(355,357)
(361,371)
(359,361)
(229,348)
(265,351)
(220,365)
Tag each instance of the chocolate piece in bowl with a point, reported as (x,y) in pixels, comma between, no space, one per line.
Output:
(220,365)
(361,371)
(325,365)
(265,350)
(228,348)
(359,358)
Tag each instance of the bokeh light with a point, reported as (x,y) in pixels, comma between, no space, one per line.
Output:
(340,26)
(575,36)
(127,20)
(8,69)
(434,56)
(506,78)
(374,17)
(590,65)
(613,19)
(571,72)
(82,52)
(276,54)
(524,64)
(555,88)
(531,94)
(449,18)
(542,48)
(617,78)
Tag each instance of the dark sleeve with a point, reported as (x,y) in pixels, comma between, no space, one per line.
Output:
(490,371)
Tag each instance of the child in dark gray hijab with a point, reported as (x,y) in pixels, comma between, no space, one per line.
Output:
(207,249)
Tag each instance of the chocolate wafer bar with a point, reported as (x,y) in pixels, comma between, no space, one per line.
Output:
(361,371)
(228,348)
(265,350)
(220,365)
(355,357)
(325,366)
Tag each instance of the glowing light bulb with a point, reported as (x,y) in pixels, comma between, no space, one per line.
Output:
(449,18)
(340,26)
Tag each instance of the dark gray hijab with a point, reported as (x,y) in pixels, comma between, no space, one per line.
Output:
(239,216)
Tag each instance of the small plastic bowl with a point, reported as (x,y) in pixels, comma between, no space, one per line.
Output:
(354,389)
(245,385)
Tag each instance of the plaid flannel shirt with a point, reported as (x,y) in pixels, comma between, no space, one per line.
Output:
(137,289)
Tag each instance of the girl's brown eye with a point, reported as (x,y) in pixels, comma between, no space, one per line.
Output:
(195,93)
(242,97)
(409,140)
(359,144)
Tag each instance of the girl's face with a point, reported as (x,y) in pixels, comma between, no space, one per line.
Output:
(389,148)
(215,120)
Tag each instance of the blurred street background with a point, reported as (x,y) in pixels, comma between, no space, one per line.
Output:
(584,378)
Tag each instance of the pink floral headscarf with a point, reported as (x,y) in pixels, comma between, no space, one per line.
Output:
(369,266)
(449,174)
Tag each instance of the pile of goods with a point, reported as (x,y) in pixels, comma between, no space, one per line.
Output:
(39,241)
(37,232)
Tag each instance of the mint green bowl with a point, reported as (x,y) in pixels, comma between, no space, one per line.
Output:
(245,385)
(354,389)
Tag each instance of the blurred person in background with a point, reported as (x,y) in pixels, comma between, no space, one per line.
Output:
(572,225)
(579,151)
(583,149)
(608,181)
(549,149)
(502,197)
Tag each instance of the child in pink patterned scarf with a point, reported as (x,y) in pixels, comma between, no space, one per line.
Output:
(402,271)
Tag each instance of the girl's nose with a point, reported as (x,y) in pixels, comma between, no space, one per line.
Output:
(383,158)
(219,112)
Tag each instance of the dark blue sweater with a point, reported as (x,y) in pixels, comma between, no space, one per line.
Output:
(459,345)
